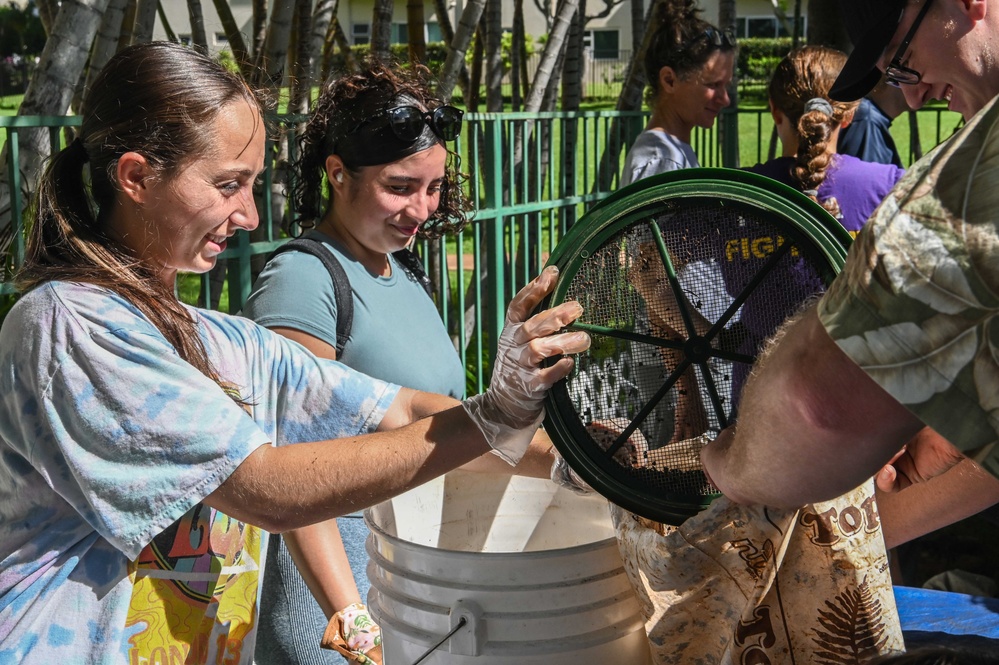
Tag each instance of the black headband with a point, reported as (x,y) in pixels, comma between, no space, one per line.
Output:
(370,141)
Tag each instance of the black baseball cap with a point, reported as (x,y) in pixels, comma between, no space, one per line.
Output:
(871,25)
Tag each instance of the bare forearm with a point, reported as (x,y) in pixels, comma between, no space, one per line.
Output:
(964,490)
(812,425)
(292,486)
(322,561)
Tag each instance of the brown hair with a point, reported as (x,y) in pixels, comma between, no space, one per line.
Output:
(682,41)
(155,99)
(344,102)
(805,74)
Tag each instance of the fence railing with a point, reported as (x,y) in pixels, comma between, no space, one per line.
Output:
(531,176)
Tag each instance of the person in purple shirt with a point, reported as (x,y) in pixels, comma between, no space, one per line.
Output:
(808,125)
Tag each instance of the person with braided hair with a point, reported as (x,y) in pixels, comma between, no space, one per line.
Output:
(375,171)
(808,125)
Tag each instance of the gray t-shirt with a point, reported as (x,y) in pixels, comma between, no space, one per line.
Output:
(655,151)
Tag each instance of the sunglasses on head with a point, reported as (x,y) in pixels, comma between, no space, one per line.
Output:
(407,122)
(714,36)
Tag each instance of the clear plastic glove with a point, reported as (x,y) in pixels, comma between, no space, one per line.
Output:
(564,476)
(509,412)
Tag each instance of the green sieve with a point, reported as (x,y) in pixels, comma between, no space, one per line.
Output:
(682,277)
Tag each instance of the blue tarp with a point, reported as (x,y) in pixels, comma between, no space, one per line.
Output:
(948,619)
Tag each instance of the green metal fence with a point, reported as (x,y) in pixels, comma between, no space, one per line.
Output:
(530,175)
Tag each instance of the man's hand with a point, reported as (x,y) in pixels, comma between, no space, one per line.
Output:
(927,455)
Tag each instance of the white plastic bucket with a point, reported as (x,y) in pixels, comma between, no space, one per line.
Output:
(522,571)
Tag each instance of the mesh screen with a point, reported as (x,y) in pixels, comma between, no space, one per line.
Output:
(678,305)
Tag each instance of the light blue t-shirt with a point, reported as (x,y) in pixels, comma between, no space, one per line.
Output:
(397,333)
(653,152)
(108,444)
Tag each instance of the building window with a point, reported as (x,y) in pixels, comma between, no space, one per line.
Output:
(434,32)
(765,26)
(400,33)
(602,44)
(185,39)
(221,39)
(360,33)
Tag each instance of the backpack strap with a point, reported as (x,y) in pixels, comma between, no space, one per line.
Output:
(341,285)
(412,264)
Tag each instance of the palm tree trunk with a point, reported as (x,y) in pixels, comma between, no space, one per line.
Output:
(301,65)
(167,28)
(553,47)
(47,10)
(341,41)
(447,33)
(493,29)
(381,29)
(272,60)
(321,19)
(455,62)
(415,30)
(235,38)
(106,41)
(145,19)
(259,19)
(197,18)
(128,24)
(517,52)
(475,76)
(49,92)
(638,19)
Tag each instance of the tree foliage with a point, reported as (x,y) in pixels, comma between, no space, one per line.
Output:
(21,31)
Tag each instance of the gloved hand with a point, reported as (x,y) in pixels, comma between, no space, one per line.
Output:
(509,412)
(564,476)
(354,635)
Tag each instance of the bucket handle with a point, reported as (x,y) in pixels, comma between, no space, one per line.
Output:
(469,642)
(464,612)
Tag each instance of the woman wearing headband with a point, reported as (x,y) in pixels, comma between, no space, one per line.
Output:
(380,144)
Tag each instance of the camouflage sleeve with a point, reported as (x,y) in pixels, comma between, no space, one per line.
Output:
(914,304)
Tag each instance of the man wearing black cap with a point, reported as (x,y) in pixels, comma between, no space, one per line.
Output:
(907,337)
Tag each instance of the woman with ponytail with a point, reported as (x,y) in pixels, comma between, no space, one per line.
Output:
(688,67)
(808,124)
(146,445)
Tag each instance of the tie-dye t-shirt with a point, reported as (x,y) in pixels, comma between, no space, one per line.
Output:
(108,444)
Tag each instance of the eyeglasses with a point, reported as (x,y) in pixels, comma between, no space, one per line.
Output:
(896,73)
(407,122)
(714,36)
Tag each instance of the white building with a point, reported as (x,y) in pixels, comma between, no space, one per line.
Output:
(608,38)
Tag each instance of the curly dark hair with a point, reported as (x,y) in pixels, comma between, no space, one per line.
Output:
(344,102)
(682,41)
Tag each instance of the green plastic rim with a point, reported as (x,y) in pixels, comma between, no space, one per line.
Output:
(811,228)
